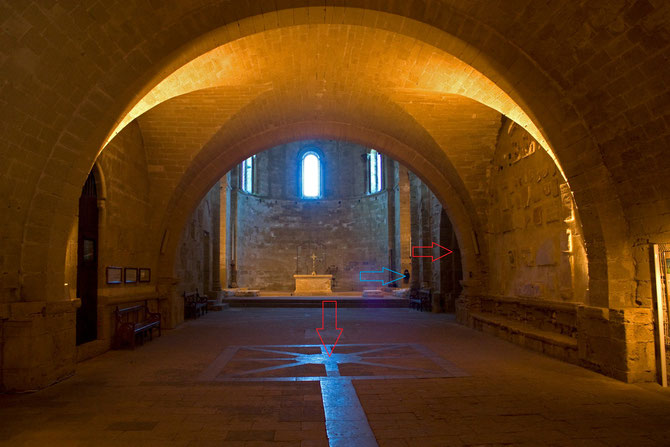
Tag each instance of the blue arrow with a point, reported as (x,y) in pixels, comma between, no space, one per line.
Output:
(401,276)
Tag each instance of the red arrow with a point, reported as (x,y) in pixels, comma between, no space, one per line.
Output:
(448,252)
(323,325)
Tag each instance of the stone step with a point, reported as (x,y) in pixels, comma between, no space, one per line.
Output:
(241,291)
(373,293)
(216,307)
(315,301)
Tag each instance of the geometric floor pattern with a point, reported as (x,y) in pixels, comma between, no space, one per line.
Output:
(237,379)
(346,422)
(311,363)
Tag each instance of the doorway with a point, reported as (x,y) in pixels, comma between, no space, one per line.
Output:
(87,263)
(206,262)
(451,271)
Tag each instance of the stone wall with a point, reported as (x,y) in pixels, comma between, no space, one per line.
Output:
(344,169)
(537,256)
(126,238)
(277,238)
(536,246)
(194,265)
(430,223)
(38,338)
(277,231)
(538,293)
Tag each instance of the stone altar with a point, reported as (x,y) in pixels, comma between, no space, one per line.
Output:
(306,285)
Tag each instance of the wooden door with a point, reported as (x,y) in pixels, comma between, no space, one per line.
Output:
(87,263)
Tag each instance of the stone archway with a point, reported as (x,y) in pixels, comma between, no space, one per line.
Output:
(579,112)
(522,80)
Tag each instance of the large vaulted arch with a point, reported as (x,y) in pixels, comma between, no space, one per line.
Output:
(400,76)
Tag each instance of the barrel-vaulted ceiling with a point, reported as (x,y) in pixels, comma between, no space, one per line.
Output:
(590,76)
(397,86)
(356,63)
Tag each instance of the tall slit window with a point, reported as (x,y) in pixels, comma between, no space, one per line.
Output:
(375,171)
(248,174)
(311,175)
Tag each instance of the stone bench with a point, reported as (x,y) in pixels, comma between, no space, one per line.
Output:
(550,343)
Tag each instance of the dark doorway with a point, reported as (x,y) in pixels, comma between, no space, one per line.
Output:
(206,262)
(450,266)
(87,263)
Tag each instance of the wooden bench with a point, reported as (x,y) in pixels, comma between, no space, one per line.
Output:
(133,321)
(420,299)
(195,305)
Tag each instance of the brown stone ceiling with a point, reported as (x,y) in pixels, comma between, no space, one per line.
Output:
(345,60)
(592,76)
(456,135)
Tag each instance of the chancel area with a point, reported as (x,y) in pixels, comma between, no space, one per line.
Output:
(353,223)
(309,218)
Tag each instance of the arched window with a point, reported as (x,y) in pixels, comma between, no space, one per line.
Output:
(311,175)
(247,174)
(374,171)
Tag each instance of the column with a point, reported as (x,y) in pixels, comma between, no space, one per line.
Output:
(404,220)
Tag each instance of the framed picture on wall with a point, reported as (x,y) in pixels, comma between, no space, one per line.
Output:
(145,275)
(114,275)
(131,275)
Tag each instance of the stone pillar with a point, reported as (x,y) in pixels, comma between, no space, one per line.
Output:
(391,182)
(171,304)
(223,233)
(415,228)
(405,221)
(216,240)
(436,267)
(425,232)
(37,343)
(617,342)
(233,182)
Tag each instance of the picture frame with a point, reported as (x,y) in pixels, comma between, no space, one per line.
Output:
(114,275)
(130,275)
(145,275)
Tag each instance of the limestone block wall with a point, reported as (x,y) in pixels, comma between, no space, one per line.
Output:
(276,238)
(430,223)
(126,238)
(195,255)
(344,169)
(276,230)
(538,293)
(535,238)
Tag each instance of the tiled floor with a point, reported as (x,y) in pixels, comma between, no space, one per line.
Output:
(255,377)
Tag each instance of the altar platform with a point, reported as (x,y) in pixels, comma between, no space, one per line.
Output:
(313,285)
(344,299)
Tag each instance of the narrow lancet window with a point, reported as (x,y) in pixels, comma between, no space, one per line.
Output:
(311,176)
(375,174)
(248,174)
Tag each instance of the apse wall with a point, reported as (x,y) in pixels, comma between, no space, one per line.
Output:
(347,236)
(278,230)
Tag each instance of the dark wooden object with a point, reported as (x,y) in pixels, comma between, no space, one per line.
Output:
(133,322)
(195,305)
(420,299)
